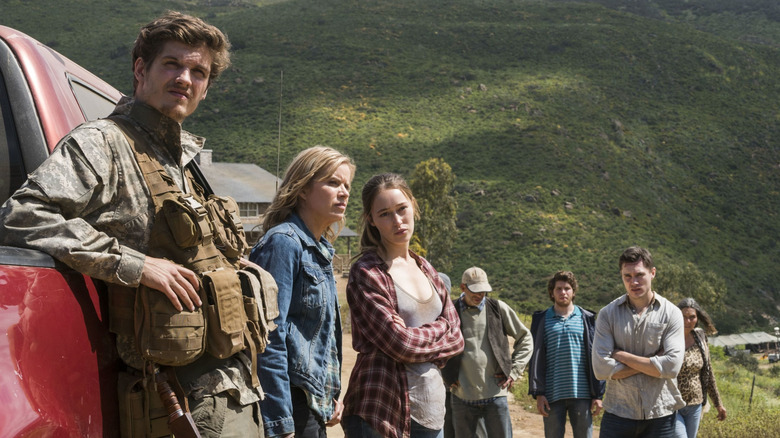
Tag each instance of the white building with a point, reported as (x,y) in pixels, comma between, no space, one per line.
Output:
(250,185)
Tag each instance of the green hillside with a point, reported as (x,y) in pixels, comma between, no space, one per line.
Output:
(574,129)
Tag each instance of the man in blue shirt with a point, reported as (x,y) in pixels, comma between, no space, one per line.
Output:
(561,378)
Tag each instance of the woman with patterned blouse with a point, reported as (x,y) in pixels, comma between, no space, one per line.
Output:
(696,379)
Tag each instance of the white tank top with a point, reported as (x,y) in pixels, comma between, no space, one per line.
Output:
(426,387)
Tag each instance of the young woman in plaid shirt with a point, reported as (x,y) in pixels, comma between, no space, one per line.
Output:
(404,326)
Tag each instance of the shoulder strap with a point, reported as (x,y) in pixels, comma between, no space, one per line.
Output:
(495,308)
(157,179)
(200,258)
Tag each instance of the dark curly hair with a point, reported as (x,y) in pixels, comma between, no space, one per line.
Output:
(566,276)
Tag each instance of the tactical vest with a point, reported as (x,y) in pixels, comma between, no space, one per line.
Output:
(205,236)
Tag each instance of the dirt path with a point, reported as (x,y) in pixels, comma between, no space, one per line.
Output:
(524,424)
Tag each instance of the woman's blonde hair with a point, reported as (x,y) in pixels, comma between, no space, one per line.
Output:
(310,165)
(370,239)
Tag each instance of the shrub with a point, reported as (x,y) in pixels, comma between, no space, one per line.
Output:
(745,360)
(717,353)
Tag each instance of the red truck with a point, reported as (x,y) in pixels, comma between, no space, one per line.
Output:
(58,364)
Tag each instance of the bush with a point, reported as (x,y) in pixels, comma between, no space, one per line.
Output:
(775,371)
(745,360)
(717,353)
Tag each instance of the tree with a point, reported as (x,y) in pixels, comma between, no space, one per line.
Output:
(676,282)
(432,184)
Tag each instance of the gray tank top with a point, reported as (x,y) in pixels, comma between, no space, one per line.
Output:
(426,387)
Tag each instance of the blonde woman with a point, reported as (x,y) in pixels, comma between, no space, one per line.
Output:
(300,368)
(404,326)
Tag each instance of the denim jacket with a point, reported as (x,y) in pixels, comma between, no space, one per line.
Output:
(299,349)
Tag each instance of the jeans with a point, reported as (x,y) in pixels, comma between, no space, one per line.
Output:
(495,415)
(579,416)
(419,431)
(613,426)
(688,421)
(449,431)
(356,427)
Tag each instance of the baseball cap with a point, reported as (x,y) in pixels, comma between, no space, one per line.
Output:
(476,280)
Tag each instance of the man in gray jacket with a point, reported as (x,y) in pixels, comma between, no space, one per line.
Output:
(639,348)
(480,377)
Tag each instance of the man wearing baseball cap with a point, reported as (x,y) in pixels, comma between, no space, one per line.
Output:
(479,378)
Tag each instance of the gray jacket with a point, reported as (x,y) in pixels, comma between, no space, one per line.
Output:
(499,345)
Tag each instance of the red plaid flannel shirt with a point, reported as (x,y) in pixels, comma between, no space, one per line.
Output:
(377,389)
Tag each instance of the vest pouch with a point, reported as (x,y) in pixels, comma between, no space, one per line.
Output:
(228,230)
(251,310)
(121,300)
(257,330)
(141,412)
(186,221)
(225,312)
(258,326)
(266,296)
(256,340)
(165,335)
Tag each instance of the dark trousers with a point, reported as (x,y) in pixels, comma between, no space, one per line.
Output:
(613,426)
(307,424)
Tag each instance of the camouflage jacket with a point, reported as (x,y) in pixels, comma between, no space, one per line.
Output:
(88,206)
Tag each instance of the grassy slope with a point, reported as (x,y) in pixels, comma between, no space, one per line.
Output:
(654,132)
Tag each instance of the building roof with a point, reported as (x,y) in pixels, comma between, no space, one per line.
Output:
(241,181)
(345,232)
(741,339)
(245,183)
